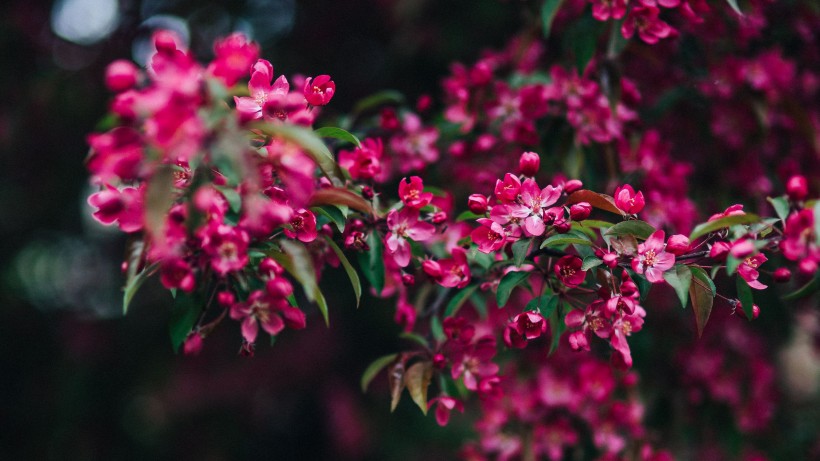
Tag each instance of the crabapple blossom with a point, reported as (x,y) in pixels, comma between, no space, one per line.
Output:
(652,259)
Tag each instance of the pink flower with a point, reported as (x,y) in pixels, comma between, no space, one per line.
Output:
(234,56)
(748,270)
(250,108)
(490,237)
(530,325)
(603,10)
(452,272)
(122,206)
(533,201)
(529,163)
(273,314)
(227,247)
(121,75)
(116,154)
(628,201)
(645,20)
(477,203)
(411,193)
(590,320)
(800,242)
(506,191)
(568,270)
(177,273)
(319,91)
(303,224)
(405,224)
(365,162)
(734,210)
(444,405)
(652,260)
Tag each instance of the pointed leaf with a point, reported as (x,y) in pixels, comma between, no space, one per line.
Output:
(544,304)
(310,143)
(590,262)
(417,379)
(338,133)
(558,326)
(376,100)
(780,205)
(744,293)
(184,315)
(702,294)
(351,272)
(600,201)
(374,368)
(232,196)
(341,196)
(468,215)
(298,262)
(458,300)
(711,226)
(372,263)
(571,237)
(507,284)
(809,288)
(395,378)
(548,10)
(680,278)
(520,250)
(333,214)
(732,264)
(436,329)
(416,338)
(639,229)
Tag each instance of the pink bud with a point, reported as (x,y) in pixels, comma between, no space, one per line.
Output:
(279,286)
(529,163)
(408,280)
(121,75)
(225,298)
(755,311)
(719,251)
(782,275)
(677,244)
(580,211)
(572,185)
(439,217)
(270,268)
(797,187)
(165,41)
(367,193)
(193,344)
(477,203)
(439,361)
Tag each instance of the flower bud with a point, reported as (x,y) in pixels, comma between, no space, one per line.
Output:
(439,217)
(580,211)
(225,298)
(755,311)
(439,361)
(797,187)
(572,185)
(529,163)
(367,193)
(193,344)
(279,286)
(408,280)
(719,251)
(121,75)
(677,244)
(270,268)
(782,275)
(477,203)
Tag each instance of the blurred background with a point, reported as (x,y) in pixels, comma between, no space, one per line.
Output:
(80,381)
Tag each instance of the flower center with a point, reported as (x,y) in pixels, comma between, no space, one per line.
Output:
(649,258)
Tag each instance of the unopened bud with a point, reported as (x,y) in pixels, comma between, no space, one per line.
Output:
(677,244)
(572,185)
(439,217)
(121,75)
(755,311)
(193,344)
(580,211)
(782,275)
(367,193)
(477,203)
(225,298)
(529,163)
(797,187)
(270,268)
(408,280)
(280,287)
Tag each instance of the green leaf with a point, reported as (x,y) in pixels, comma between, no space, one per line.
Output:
(732,264)
(711,226)
(133,285)
(232,196)
(376,100)
(338,133)
(780,205)
(733,4)
(680,278)
(374,368)
(458,300)
(744,293)
(372,263)
(332,213)
(702,293)
(558,326)
(351,272)
(310,143)
(816,211)
(340,196)
(184,315)
(571,237)
(595,224)
(548,10)
(582,40)
(417,379)
(809,288)
(642,283)
(544,304)
(520,250)
(590,262)
(437,329)
(507,284)
(599,201)
(298,262)
(468,215)
(416,338)
(639,229)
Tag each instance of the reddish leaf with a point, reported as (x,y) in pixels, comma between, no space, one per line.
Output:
(395,377)
(600,201)
(702,294)
(340,196)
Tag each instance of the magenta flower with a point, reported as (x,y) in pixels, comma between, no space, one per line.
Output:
(534,200)
(405,224)
(227,247)
(303,224)
(748,270)
(250,108)
(603,10)
(122,206)
(568,270)
(506,191)
(412,193)
(444,405)
(319,91)
(452,272)
(273,314)
(652,259)
(628,201)
(645,20)
(177,273)
(364,162)
(234,56)
(490,237)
